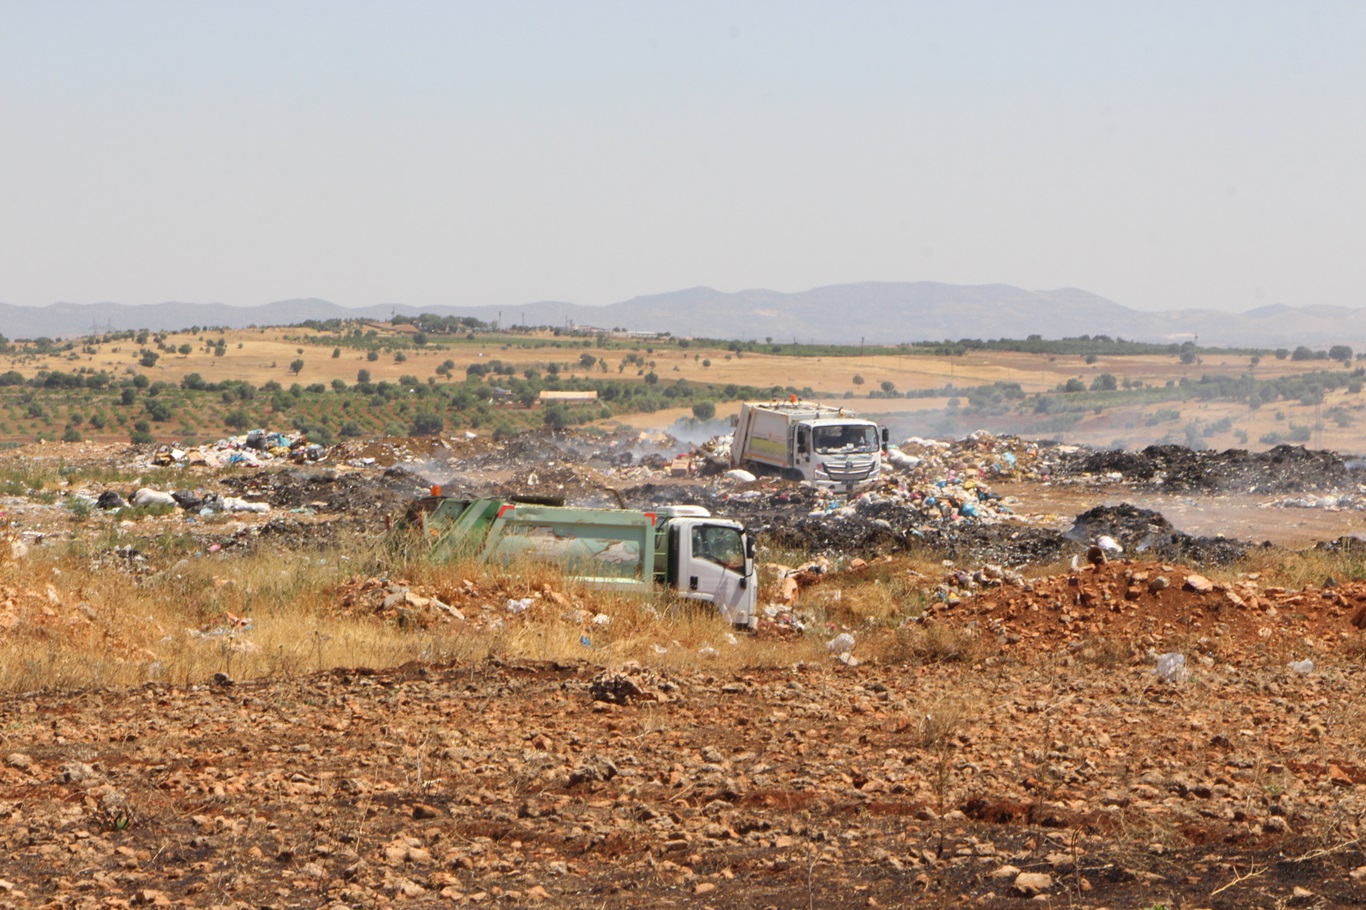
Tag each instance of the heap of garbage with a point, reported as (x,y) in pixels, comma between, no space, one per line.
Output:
(251,449)
(939,494)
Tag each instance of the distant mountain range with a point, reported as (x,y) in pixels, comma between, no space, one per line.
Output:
(874,312)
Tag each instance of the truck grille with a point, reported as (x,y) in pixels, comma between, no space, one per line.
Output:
(849,471)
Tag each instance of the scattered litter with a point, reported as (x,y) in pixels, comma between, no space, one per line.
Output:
(842,643)
(146,496)
(1172,667)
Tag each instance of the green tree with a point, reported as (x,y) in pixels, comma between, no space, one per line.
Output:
(427,425)
(556,417)
(296,365)
(1105,382)
(704,410)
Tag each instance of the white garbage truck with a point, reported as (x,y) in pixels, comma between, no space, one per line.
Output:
(804,440)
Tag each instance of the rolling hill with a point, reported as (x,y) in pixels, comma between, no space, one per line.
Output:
(876,312)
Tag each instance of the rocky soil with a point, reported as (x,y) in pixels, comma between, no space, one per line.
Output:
(1088,781)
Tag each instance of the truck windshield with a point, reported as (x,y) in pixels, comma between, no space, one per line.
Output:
(720,545)
(848,439)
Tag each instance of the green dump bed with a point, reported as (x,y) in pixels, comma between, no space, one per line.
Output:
(610,548)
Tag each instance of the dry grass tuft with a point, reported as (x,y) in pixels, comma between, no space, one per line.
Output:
(934,643)
(1290,569)
(1106,653)
(944,721)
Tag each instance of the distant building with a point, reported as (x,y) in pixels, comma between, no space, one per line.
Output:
(548,397)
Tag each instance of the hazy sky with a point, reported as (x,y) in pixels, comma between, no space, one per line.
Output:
(1162,154)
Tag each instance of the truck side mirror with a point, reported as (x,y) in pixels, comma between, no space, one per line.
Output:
(886,435)
(801,440)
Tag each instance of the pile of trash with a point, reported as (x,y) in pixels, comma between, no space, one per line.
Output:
(395,600)
(189,500)
(978,456)
(252,449)
(930,490)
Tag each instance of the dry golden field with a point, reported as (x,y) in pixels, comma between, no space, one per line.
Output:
(263,354)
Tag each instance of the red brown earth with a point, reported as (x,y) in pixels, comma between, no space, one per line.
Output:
(1055,762)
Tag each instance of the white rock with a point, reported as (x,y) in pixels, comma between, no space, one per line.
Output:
(1031,883)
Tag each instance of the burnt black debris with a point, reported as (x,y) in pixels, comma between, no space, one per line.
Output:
(1284,469)
(1147,534)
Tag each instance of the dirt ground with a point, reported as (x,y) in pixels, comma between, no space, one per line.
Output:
(1244,516)
(1084,783)
(1014,742)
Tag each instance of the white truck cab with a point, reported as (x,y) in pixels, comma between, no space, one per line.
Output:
(802,440)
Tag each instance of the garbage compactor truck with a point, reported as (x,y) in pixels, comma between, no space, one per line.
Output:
(803,440)
(682,548)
